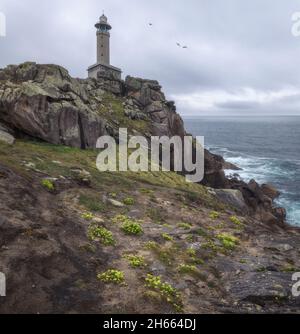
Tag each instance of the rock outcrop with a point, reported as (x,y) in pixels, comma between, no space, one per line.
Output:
(63,224)
(5,135)
(45,102)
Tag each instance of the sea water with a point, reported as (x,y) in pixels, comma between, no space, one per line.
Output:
(266,148)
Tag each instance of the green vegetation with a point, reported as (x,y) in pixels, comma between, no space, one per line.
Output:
(44,156)
(201,232)
(187,269)
(128,201)
(228,241)
(113,110)
(129,226)
(146,191)
(88,248)
(135,261)
(112,276)
(91,203)
(166,290)
(193,197)
(87,216)
(210,245)
(151,245)
(48,184)
(185,226)
(167,237)
(120,219)
(289,269)
(100,233)
(155,215)
(214,215)
(164,253)
(132,227)
(235,220)
(191,252)
(167,225)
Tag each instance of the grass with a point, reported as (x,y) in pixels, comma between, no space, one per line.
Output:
(112,276)
(165,254)
(44,155)
(184,226)
(100,233)
(91,203)
(155,215)
(114,104)
(146,191)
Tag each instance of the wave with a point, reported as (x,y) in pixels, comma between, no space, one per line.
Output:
(283,173)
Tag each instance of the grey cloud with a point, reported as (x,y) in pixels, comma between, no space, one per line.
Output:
(237,105)
(232,44)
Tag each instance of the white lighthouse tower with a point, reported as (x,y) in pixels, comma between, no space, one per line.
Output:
(103,69)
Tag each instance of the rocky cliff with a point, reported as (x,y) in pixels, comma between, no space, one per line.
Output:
(44,102)
(68,233)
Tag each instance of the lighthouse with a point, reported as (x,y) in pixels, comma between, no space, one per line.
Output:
(103,68)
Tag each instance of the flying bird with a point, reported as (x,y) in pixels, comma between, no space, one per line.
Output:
(184,47)
(150,24)
(178,44)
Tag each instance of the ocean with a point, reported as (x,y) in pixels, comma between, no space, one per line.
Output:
(266,148)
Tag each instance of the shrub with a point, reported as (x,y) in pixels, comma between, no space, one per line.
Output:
(132,227)
(228,241)
(151,245)
(167,237)
(235,220)
(111,276)
(48,184)
(166,290)
(214,215)
(128,201)
(191,252)
(119,219)
(135,261)
(187,269)
(98,232)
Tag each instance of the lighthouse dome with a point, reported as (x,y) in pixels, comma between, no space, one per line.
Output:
(103,19)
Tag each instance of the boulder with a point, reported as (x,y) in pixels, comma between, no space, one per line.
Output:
(270,191)
(233,198)
(5,135)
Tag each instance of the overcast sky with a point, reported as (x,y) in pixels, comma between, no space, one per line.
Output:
(242,58)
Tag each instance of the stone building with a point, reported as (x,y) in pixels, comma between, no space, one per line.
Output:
(103,69)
